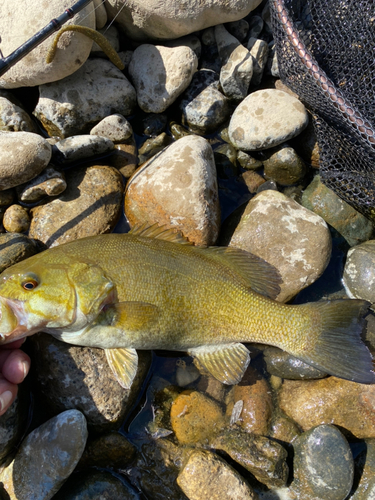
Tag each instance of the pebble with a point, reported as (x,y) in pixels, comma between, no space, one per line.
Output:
(291,238)
(352,225)
(125,158)
(83,209)
(152,146)
(284,166)
(160,74)
(23,155)
(80,147)
(247,161)
(178,188)
(259,52)
(13,118)
(74,104)
(16,219)
(284,365)
(253,180)
(154,124)
(359,271)
(283,429)
(50,182)
(114,127)
(15,247)
(206,475)
(266,118)
(46,458)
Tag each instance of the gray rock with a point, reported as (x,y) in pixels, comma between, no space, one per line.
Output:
(79,147)
(16,219)
(255,26)
(284,365)
(284,166)
(208,37)
(14,248)
(13,118)
(239,29)
(359,271)
(13,423)
(114,127)
(46,458)
(23,155)
(50,182)
(74,104)
(259,51)
(365,469)
(191,41)
(266,118)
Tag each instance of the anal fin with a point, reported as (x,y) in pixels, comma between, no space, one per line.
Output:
(123,363)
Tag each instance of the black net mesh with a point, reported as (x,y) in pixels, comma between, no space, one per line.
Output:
(326,55)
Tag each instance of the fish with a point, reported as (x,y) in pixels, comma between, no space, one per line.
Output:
(152,289)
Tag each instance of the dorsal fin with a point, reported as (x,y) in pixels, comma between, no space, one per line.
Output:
(160,233)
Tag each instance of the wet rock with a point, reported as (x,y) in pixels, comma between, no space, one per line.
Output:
(259,52)
(225,161)
(46,457)
(364,475)
(195,418)
(13,118)
(284,166)
(7,197)
(283,429)
(82,210)
(178,131)
(74,104)
(186,373)
(359,271)
(306,144)
(18,24)
(352,225)
(13,423)
(80,147)
(154,124)
(160,74)
(265,459)
(187,168)
(205,475)
(114,127)
(323,464)
(16,219)
(248,162)
(152,146)
(125,158)
(111,450)
(284,365)
(15,247)
(50,182)
(252,180)
(266,118)
(23,155)
(345,404)
(291,238)
(76,377)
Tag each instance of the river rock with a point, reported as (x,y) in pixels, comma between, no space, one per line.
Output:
(13,118)
(76,103)
(247,161)
(46,458)
(80,147)
(331,400)
(284,365)
(13,423)
(16,219)
(110,450)
(111,34)
(152,146)
(79,377)
(18,23)
(114,127)
(83,209)
(359,271)
(125,158)
(239,29)
(15,247)
(364,474)
(266,118)
(259,53)
(23,155)
(50,182)
(178,188)
(100,14)
(323,464)
(293,239)
(283,429)
(160,74)
(252,180)
(205,475)
(284,166)
(150,19)
(256,24)
(7,197)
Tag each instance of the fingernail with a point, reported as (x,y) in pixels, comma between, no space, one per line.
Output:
(25,367)
(5,399)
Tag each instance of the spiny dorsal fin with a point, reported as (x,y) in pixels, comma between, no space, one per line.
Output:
(160,233)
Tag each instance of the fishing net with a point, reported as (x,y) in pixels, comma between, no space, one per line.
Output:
(326,55)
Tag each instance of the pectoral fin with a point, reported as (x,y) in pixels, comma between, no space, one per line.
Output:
(128,316)
(124,364)
(227,362)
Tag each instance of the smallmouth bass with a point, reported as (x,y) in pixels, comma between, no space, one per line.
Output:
(151,289)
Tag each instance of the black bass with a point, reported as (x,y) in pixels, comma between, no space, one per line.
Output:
(151,289)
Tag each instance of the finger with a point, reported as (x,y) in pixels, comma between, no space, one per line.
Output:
(8,393)
(14,365)
(14,345)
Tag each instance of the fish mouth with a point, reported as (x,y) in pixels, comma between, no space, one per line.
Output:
(12,326)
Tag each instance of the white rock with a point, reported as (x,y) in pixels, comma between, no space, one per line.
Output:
(79,147)
(161,74)
(13,118)
(101,14)
(114,127)
(259,51)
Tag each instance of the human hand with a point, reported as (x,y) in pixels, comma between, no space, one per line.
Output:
(14,366)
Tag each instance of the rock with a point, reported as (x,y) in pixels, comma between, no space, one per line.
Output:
(225,161)
(205,475)
(160,74)
(100,14)
(239,29)
(15,247)
(125,158)
(284,166)
(46,458)
(13,118)
(186,373)
(323,464)
(248,162)
(76,103)
(252,180)
(79,377)
(13,423)
(306,144)
(111,450)
(154,124)
(191,41)
(195,418)
(83,209)
(112,35)
(152,146)
(284,365)
(352,225)
(186,167)
(23,155)
(7,197)
(266,118)
(50,182)
(255,26)
(359,271)
(237,65)
(16,219)
(365,472)
(18,24)
(345,404)
(283,429)
(145,20)
(80,147)
(259,52)
(114,127)
(291,238)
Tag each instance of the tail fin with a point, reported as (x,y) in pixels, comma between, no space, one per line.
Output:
(339,350)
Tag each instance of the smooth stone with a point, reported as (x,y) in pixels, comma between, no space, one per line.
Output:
(239,29)
(152,20)
(284,166)
(125,158)
(16,219)
(208,37)
(46,458)
(348,405)
(256,24)
(206,475)
(178,131)
(112,35)
(364,473)
(13,118)
(359,271)
(191,41)
(110,450)
(306,144)
(13,424)
(266,118)
(284,365)
(15,247)
(259,52)
(283,429)
(160,74)
(79,147)
(152,146)
(83,209)
(79,377)
(154,124)
(76,103)
(100,14)
(290,237)
(50,182)
(7,197)
(225,161)
(178,188)
(323,464)
(18,23)
(23,155)
(247,161)
(114,127)
(252,180)
(352,225)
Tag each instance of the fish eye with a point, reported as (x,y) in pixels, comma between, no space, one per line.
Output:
(29,284)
